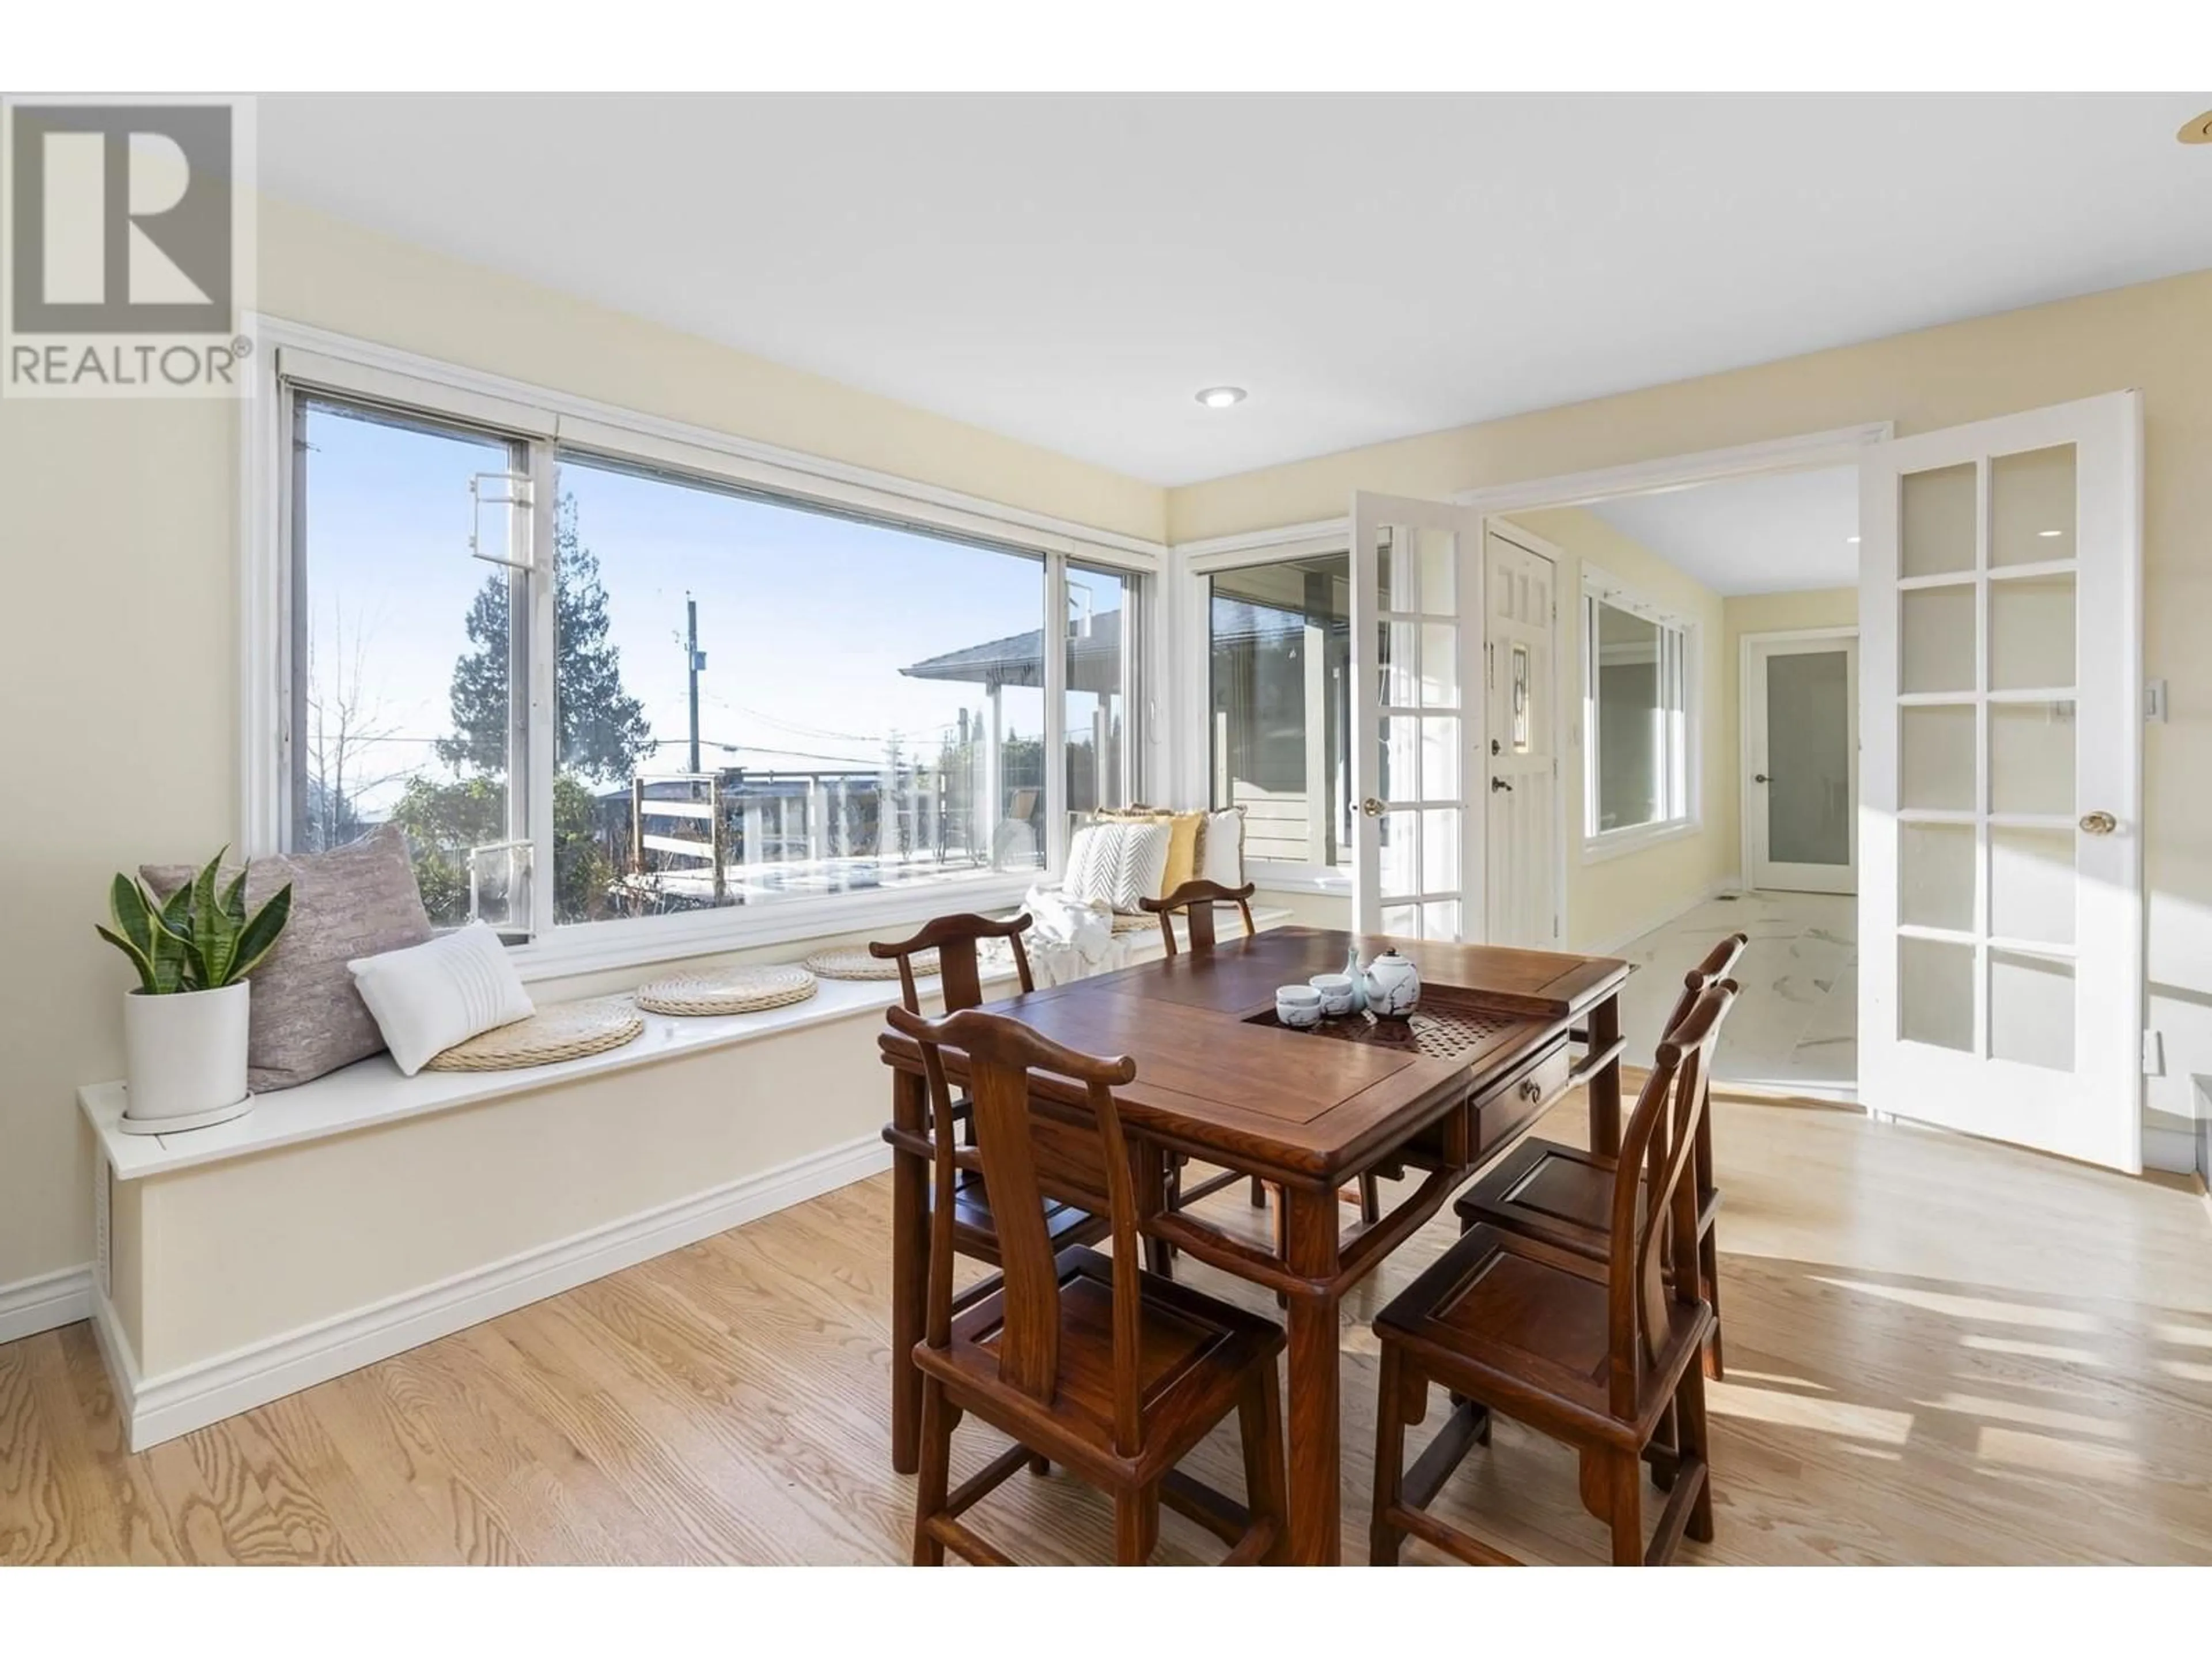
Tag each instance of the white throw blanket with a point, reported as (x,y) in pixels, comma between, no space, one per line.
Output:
(1071,941)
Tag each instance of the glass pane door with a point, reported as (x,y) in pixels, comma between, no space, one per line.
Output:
(1414,566)
(2003,911)
(1802,773)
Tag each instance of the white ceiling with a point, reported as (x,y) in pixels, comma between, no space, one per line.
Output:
(1070,270)
(1757,535)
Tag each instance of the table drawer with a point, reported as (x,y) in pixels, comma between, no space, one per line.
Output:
(1508,1109)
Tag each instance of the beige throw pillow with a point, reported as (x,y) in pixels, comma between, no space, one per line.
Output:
(356,900)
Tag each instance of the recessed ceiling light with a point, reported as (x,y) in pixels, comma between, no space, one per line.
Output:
(2048,534)
(2197,132)
(1222,396)
(1853,540)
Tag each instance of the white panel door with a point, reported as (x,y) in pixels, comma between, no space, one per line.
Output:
(2000,833)
(1520,745)
(1801,762)
(1416,571)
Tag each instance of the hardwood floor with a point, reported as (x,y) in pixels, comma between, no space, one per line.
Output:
(1940,1350)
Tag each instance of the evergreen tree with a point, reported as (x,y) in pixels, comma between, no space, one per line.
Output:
(604,732)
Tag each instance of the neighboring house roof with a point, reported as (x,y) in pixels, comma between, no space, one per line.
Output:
(1019,658)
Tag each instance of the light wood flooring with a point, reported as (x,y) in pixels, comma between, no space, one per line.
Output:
(1940,1351)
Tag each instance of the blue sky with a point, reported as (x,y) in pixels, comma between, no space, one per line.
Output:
(805,619)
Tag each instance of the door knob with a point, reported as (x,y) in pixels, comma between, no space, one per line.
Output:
(1758,777)
(2099,824)
(1497,784)
(1372,807)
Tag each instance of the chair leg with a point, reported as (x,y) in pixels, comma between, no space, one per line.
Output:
(930,1489)
(1370,1201)
(1384,1540)
(1259,1194)
(1624,1483)
(1708,1263)
(1159,1258)
(1136,1525)
(1695,1441)
(1267,1487)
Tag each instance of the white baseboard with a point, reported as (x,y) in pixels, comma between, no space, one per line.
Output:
(159,1409)
(31,1305)
(1612,942)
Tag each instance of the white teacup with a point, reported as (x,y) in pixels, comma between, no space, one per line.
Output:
(1336,993)
(1298,1007)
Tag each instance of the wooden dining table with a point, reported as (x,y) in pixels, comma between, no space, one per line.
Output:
(1500,1035)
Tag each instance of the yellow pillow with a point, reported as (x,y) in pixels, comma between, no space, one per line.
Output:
(1183,850)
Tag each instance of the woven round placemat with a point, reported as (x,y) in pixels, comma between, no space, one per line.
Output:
(853,961)
(561,1030)
(726,991)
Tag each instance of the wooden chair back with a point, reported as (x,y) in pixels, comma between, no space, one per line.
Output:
(960,974)
(1720,961)
(1655,1219)
(1196,899)
(1028,1151)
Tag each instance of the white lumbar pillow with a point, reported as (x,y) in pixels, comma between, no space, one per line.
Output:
(430,997)
(1221,848)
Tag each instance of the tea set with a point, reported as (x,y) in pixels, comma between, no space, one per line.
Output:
(1388,987)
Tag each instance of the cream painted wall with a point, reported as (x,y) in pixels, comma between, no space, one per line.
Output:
(1610,901)
(1768,613)
(2155,337)
(118,528)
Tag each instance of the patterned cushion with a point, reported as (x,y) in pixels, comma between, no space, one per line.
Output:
(1082,848)
(1125,863)
(356,900)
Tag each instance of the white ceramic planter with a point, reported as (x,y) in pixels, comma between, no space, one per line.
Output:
(186,1055)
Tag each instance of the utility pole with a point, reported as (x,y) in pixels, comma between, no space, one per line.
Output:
(698,660)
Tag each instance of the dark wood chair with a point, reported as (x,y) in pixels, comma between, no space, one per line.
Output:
(1563,1194)
(1197,901)
(1093,1364)
(1598,1354)
(960,982)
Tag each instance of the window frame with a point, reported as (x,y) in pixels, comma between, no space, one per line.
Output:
(294,358)
(1192,727)
(1682,781)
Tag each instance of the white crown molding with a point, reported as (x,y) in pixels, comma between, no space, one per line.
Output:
(159,1409)
(40,1304)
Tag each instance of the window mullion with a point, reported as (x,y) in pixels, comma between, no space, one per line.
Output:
(1055,654)
(544,716)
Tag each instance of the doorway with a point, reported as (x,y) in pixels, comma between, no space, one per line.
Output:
(1801,760)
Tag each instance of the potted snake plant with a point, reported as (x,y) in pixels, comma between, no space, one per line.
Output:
(184,1024)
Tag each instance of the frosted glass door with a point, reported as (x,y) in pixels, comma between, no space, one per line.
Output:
(1801,762)
(2001,916)
(1415,565)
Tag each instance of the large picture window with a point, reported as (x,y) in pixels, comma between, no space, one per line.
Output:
(1635,715)
(1279,647)
(641,690)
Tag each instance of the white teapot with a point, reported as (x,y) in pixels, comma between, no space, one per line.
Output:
(1393,986)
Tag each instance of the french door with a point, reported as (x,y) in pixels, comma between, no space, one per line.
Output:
(1416,707)
(2000,833)
(1801,761)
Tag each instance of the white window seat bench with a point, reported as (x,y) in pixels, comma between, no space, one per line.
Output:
(362,1213)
